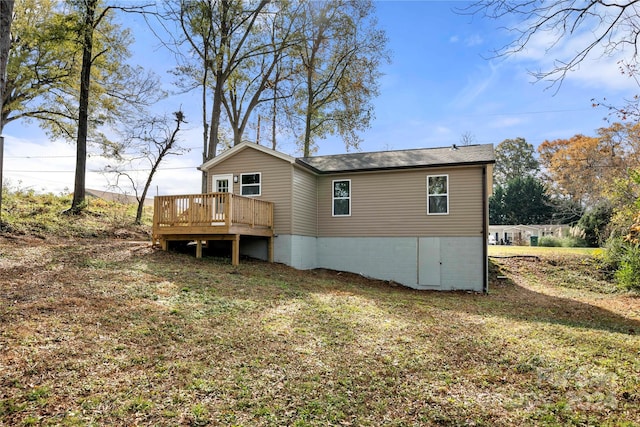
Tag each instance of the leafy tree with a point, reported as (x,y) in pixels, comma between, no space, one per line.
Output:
(585,169)
(43,75)
(594,223)
(522,201)
(497,211)
(339,69)
(515,158)
(42,58)
(572,167)
(623,246)
(67,70)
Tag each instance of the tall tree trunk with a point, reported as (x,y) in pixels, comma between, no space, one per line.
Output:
(205,124)
(6,16)
(215,118)
(83,117)
(275,109)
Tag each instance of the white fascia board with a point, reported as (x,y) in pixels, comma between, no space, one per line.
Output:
(242,146)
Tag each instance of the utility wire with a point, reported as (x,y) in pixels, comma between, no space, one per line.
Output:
(100,171)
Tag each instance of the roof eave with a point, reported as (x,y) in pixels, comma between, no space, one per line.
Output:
(392,168)
(242,146)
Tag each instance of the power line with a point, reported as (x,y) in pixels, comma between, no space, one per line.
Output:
(101,171)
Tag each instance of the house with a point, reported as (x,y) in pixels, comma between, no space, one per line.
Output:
(417,217)
(521,234)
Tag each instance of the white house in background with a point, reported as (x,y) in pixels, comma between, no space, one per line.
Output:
(521,234)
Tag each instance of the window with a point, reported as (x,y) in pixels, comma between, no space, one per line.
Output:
(250,184)
(438,195)
(342,198)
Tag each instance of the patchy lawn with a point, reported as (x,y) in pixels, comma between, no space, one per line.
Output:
(108,332)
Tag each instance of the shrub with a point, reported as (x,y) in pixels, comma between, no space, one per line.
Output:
(628,273)
(614,251)
(565,242)
(550,242)
(623,259)
(574,242)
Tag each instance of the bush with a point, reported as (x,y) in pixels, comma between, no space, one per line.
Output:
(549,242)
(628,274)
(574,242)
(565,242)
(614,251)
(623,259)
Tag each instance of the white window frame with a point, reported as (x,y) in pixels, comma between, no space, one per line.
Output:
(429,195)
(259,184)
(334,198)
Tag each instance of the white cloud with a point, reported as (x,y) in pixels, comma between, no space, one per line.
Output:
(478,82)
(474,40)
(545,52)
(506,122)
(49,166)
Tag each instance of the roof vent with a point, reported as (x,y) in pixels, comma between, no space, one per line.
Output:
(454,147)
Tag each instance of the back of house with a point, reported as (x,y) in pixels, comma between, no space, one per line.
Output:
(416,217)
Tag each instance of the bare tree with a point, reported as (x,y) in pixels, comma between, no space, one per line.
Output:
(247,87)
(227,28)
(613,28)
(146,141)
(467,138)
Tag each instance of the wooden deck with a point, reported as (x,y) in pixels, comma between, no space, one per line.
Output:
(214,216)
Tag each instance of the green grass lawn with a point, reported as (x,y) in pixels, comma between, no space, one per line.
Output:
(106,332)
(498,250)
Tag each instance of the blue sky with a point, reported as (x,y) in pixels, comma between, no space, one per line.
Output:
(439,85)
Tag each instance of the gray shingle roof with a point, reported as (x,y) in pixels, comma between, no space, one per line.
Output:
(401,159)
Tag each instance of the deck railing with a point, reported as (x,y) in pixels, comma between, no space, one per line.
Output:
(211,210)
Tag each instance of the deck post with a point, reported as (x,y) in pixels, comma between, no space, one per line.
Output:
(164,244)
(270,250)
(228,210)
(235,250)
(199,248)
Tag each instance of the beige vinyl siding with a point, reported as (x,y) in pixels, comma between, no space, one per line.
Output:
(275,181)
(394,203)
(305,206)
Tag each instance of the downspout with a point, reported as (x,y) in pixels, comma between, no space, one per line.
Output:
(485,231)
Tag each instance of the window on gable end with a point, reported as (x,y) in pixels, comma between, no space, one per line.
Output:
(250,184)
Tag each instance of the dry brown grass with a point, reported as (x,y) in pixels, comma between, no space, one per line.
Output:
(107,332)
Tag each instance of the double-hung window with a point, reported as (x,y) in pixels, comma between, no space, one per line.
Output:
(341,197)
(437,194)
(250,184)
